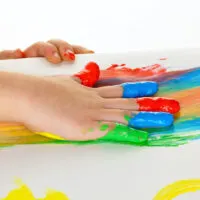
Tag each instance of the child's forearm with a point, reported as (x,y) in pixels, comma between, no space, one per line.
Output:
(12,89)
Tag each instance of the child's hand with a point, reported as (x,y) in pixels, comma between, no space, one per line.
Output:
(55,51)
(70,110)
(74,112)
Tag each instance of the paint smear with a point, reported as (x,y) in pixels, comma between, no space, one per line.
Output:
(178,188)
(22,192)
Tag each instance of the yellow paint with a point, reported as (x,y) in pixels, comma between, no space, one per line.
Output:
(49,135)
(178,188)
(24,193)
(167,193)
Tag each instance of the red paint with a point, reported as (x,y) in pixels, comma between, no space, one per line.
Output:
(90,75)
(118,71)
(23,55)
(158,104)
(112,66)
(70,55)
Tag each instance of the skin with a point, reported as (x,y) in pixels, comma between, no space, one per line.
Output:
(59,105)
(54,50)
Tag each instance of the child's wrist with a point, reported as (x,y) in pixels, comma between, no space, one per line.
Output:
(13,92)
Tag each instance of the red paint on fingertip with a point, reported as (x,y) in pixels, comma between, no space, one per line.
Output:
(89,75)
(158,104)
(70,55)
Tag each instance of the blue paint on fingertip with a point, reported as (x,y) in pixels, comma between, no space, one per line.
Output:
(139,89)
(151,120)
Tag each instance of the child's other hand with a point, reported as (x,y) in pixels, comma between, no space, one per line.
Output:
(55,51)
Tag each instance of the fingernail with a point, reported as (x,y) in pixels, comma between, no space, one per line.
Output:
(151,120)
(69,54)
(139,89)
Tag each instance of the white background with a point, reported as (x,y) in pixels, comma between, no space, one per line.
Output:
(94,172)
(103,25)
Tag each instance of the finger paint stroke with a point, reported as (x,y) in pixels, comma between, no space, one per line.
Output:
(23,192)
(182,85)
(178,188)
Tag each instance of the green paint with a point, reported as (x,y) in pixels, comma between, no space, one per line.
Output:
(127,118)
(172,139)
(104,127)
(90,129)
(122,133)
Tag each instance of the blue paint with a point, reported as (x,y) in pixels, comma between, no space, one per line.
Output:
(151,120)
(139,89)
(179,127)
(182,82)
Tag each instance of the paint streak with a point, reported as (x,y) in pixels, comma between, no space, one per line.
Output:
(178,188)
(117,70)
(104,127)
(24,193)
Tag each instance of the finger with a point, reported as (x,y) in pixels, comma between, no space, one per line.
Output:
(119,103)
(129,90)
(42,49)
(11,54)
(81,50)
(65,49)
(110,131)
(89,75)
(137,119)
(154,104)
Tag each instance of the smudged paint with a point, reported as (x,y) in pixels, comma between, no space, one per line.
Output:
(104,127)
(24,193)
(116,71)
(178,188)
(158,104)
(127,118)
(123,133)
